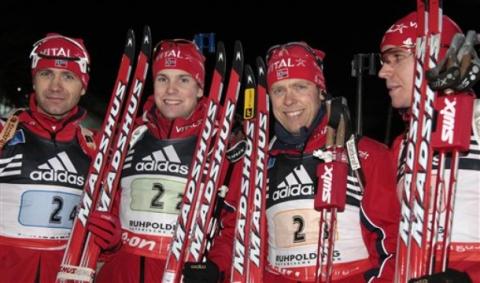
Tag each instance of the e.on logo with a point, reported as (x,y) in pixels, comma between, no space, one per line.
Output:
(137,242)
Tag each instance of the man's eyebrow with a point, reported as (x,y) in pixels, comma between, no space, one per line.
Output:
(394,50)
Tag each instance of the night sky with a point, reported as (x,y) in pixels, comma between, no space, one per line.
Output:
(339,28)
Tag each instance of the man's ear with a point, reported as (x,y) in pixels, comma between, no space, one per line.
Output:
(199,92)
(322,94)
(83,91)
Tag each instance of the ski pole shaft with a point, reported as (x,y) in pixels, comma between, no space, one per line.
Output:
(436,210)
(450,204)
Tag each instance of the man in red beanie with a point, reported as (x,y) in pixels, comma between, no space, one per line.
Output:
(155,171)
(366,232)
(398,55)
(44,159)
(157,166)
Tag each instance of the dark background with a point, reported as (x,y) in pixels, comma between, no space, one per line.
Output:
(340,28)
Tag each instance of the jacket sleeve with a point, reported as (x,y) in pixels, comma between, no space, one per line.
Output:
(380,211)
(222,247)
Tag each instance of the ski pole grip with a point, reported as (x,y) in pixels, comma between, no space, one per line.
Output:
(454,116)
(331,185)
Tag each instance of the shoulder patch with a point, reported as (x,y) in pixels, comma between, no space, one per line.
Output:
(88,138)
(271,162)
(18,137)
(137,134)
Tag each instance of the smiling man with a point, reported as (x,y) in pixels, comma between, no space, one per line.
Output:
(44,159)
(155,172)
(365,235)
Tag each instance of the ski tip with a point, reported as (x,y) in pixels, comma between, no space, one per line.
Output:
(238,59)
(220,51)
(249,77)
(238,51)
(130,44)
(221,63)
(261,71)
(249,98)
(147,41)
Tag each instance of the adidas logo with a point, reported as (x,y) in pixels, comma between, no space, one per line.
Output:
(163,160)
(298,183)
(58,169)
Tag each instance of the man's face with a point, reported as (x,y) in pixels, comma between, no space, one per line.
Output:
(295,103)
(397,70)
(176,93)
(57,91)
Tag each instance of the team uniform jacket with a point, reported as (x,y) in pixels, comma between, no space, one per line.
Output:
(42,173)
(465,238)
(152,186)
(366,235)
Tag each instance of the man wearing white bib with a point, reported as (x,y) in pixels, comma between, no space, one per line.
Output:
(365,234)
(44,159)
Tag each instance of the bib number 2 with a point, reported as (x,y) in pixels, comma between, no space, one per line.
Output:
(56,216)
(157,195)
(158,199)
(48,209)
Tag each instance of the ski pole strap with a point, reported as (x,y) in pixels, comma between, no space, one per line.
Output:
(332,173)
(77,273)
(332,185)
(452,131)
(9,128)
(335,109)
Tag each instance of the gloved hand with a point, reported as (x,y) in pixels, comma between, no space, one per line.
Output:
(106,228)
(449,276)
(237,141)
(200,272)
(460,69)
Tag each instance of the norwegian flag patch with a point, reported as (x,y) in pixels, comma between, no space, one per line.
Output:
(61,63)
(170,62)
(282,73)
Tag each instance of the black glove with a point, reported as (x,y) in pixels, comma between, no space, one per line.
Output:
(237,142)
(200,272)
(449,276)
(460,69)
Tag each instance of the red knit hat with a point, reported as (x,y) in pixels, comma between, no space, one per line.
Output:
(58,51)
(180,54)
(403,33)
(295,60)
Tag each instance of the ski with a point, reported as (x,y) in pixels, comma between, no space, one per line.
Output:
(80,258)
(248,260)
(412,255)
(242,223)
(73,252)
(258,192)
(175,257)
(196,243)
